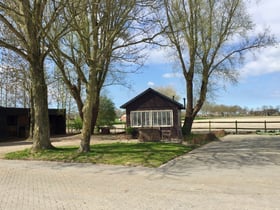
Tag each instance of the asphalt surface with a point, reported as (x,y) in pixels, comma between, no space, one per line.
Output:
(239,172)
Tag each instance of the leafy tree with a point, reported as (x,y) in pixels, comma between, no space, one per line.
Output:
(106,114)
(210,39)
(76,124)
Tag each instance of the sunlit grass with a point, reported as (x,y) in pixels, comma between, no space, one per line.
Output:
(132,154)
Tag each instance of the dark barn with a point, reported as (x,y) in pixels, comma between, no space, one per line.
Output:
(15,122)
(155,116)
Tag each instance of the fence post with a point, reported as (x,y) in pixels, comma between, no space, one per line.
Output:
(265,126)
(236,128)
(209,126)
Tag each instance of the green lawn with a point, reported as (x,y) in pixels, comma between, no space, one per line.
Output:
(132,154)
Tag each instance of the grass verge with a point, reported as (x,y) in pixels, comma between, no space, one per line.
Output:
(269,132)
(131,154)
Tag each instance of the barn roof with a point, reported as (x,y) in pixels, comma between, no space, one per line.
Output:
(153,92)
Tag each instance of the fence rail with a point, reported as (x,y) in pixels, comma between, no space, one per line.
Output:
(236,126)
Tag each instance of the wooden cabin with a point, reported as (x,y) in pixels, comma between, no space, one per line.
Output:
(15,122)
(155,116)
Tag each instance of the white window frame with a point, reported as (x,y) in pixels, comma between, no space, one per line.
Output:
(151,118)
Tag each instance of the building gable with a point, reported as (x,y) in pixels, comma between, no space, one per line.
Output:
(151,100)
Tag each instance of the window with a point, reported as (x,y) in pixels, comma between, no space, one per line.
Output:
(153,118)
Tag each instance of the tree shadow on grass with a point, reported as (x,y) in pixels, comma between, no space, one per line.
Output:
(133,154)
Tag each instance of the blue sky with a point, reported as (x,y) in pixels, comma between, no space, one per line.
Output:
(259,82)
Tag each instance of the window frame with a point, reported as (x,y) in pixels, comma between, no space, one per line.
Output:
(152,118)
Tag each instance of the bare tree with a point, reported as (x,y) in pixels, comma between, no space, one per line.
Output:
(210,39)
(14,74)
(25,25)
(168,91)
(105,36)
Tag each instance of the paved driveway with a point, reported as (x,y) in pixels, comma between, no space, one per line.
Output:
(233,152)
(239,172)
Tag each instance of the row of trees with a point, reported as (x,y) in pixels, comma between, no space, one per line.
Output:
(210,109)
(91,42)
(88,41)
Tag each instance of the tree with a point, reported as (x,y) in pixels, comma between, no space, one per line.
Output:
(106,114)
(14,82)
(25,26)
(102,40)
(57,90)
(210,39)
(168,91)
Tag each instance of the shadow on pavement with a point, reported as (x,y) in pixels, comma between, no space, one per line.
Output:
(233,152)
(15,143)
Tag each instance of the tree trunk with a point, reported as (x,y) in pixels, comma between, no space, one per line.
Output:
(41,132)
(86,131)
(90,112)
(187,126)
(76,93)
(95,110)
(31,117)
(87,120)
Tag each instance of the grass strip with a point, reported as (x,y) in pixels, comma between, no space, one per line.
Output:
(130,154)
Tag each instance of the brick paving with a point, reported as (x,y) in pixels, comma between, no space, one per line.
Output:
(231,174)
(50,185)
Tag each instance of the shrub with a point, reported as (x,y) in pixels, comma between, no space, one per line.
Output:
(76,124)
(132,131)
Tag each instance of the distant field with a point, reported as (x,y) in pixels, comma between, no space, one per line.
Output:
(239,124)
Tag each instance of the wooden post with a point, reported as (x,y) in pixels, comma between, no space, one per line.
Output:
(209,126)
(265,126)
(236,128)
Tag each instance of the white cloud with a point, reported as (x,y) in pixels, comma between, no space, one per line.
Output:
(266,14)
(159,56)
(267,61)
(150,84)
(172,75)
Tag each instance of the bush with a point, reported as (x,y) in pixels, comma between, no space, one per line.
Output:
(76,124)
(132,131)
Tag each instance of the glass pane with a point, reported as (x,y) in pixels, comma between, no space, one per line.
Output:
(155,118)
(139,120)
(164,118)
(168,118)
(133,119)
(159,119)
(145,118)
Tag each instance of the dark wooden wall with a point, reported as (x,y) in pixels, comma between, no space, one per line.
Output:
(14,122)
